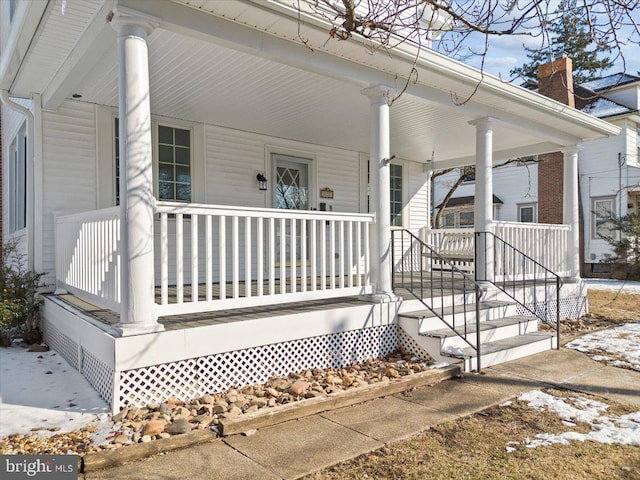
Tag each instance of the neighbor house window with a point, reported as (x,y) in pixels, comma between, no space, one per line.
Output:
(174,164)
(18,183)
(457,218)
(602,214)
(396,195)
(527,213)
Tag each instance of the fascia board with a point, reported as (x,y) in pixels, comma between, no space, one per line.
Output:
(27,17)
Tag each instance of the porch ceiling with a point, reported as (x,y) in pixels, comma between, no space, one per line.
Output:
(215,64)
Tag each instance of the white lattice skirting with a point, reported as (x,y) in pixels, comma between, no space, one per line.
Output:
(216,373)
(570,307)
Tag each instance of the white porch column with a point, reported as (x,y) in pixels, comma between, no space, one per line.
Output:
(137,313)
(571,209)
(380,202)
(483,210)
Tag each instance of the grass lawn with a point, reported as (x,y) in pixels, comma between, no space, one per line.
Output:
(476,447)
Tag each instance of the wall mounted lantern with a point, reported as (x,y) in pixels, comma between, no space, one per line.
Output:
(262,181)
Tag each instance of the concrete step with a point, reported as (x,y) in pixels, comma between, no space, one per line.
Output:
(459,314)
(490,330)
(505,350)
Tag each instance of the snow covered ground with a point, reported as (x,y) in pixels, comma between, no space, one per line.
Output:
(41,390)
(613,285)
(618,347)
(605,428)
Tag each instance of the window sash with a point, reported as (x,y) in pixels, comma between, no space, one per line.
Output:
(602,214)
(172,166)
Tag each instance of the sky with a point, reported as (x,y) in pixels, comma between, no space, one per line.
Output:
(507,51)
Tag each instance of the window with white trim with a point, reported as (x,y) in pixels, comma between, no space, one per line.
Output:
(174,164)
(602,214)
(18,183)
(173,167)
(527,213)
(396,194)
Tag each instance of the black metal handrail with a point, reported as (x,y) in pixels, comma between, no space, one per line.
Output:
(509,261)
(419,282)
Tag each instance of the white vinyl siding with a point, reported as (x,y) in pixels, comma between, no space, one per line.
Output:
(69,168)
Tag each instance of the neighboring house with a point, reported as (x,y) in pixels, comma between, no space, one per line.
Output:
(213,202)
(608,169)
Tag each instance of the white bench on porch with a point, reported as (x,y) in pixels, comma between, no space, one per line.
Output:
(456,246)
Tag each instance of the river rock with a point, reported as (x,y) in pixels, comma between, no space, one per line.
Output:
(153,427)
(178,427)
(300,387)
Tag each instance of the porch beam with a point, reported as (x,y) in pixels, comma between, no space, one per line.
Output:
(483,210)
(137,313)
(380,180)
(499,155)
(570,209)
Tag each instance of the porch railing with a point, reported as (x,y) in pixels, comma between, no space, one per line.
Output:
(544,243)
(87,255)
(546,283)
(212,257)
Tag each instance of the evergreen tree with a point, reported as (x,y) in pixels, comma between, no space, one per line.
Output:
(569,36)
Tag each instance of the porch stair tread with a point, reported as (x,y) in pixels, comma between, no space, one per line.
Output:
(503,345)
(484,326)
(484,305)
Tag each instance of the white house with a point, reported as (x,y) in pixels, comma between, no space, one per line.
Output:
(194,180)
(608,172)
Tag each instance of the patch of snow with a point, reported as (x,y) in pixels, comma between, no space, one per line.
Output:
(41,390)
(510,449)
(622,344)
(439,365)
(607,429)
(613,285)
(505,404)
(453,350)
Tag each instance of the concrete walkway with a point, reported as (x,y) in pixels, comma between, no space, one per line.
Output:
(298,447)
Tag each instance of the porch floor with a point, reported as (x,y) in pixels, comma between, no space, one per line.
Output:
(105,316)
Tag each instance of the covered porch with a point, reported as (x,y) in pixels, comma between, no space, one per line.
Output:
(149,244)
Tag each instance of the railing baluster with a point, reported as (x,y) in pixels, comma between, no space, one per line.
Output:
(235,257)
(341,253)
(194,258)
(222,256)
(359,259)
(332,254)
(179,258)
(350,253)
(314,255)
(209,257)
(247,257)
(283,256)
(272,256)
(323,256)
(164,259)
(260,257)
(294,260)
(303,255)
(367,255)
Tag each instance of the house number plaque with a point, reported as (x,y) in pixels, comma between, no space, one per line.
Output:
(326,193)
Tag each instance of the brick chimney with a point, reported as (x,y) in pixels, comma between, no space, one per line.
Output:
(555,81)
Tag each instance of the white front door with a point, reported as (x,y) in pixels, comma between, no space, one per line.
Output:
(291,177)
